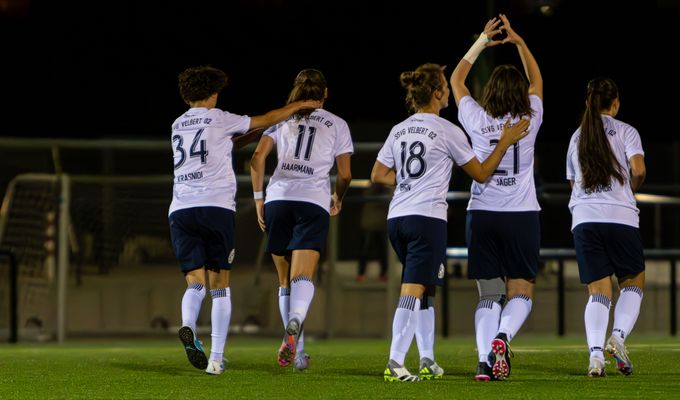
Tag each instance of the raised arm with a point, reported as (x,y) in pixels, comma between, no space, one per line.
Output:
(257,162)
(511,135)
(342,181)
(462,70)
(280,114)
(528,60)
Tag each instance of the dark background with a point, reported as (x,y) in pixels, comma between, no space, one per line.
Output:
(108,69)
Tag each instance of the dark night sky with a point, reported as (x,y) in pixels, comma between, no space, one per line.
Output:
(108,68)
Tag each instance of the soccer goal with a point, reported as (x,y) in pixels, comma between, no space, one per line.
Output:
(65,228)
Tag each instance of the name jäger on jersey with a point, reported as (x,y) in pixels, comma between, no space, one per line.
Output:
(422,150)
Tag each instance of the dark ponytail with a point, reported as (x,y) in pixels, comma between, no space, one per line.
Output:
(595,156)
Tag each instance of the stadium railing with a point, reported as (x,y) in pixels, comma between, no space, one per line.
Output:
(63,149)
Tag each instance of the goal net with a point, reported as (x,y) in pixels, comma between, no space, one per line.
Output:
(62,229)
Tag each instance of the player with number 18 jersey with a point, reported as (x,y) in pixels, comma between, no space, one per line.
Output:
(422,150)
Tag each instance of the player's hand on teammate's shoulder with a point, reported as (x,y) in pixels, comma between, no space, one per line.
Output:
(515,132)
(306,104)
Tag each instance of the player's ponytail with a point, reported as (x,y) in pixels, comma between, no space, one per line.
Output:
(595,156)
(309,84)
(420,85)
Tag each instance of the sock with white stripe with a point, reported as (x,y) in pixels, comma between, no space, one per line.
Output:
(425,328)
(596,317)
(487,319)
(301,295)
(191,304)
(627,311)
(220,317)
(404,327)
(514,314)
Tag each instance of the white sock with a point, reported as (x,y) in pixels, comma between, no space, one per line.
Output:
(425,328)
(626,311)
(596,317)
(404,327)
(514,314)
(284,304)
(220,316)
(301,295)
(191,304)
(487,318)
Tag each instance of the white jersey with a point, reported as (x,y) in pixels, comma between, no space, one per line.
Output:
(201,142)
(511,187)
(422,150)
(306,149)
(614,203)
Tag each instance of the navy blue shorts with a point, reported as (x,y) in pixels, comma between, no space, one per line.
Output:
(295,225)
(203,237)
(420,244)
(603,249)
(503,244)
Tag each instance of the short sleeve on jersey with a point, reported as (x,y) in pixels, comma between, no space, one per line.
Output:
(470,114)
(571,173)
(344,140)
(385,155)
(271,132)
(632,142)
(537,107)
(458,147)
(234,123)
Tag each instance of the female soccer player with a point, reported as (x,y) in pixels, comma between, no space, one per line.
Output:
(606,166)
(417,157)
(295,213)
(503,230)
(201,214)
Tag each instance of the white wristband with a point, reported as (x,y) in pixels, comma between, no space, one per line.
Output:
(476,48)
(258,195)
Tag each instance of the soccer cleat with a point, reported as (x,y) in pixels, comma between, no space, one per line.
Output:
(616,349)
(301,362)
(398,373)
(287,349)
(215,367)
(429,370)
(596,368)
(484,373)
(193,348)
(499,358)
